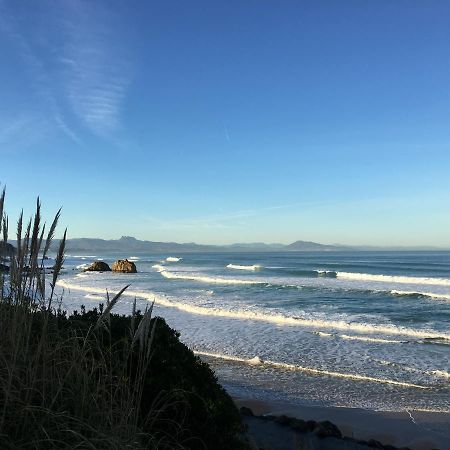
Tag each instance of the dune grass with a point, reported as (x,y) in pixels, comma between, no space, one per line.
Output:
(95,380)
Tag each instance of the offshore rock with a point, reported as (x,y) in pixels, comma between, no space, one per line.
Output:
(124,266)
(98,266)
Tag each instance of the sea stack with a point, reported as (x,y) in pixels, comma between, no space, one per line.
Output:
(124,266)
(98,266)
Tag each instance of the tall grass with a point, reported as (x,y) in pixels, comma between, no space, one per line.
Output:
(67,387)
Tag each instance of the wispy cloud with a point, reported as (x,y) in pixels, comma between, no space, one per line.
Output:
(41,80)
(96,72)
(77,68)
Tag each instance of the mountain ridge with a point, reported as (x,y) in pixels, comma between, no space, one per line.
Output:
(129,243)
(132,244)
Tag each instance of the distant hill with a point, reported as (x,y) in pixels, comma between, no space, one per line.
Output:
(306,246)
(131,244)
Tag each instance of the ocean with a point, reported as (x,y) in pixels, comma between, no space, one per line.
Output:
(345,329)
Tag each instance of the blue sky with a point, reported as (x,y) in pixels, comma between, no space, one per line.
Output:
(234,121)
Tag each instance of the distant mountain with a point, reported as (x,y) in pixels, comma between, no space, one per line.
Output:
(133,245)
(306,246)
(130,244)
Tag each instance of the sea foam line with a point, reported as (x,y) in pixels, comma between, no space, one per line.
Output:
(270,318)
(221,280)
(173,259)
(309,370)
(436,372)
(241,267)
(393,278)
(369,339)
(206,279)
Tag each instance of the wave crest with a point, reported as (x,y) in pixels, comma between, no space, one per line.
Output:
(393,278)
(241,267)
(421,294)
(309,370)
(429,336)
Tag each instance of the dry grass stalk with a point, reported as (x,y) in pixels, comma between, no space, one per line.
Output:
(60,388)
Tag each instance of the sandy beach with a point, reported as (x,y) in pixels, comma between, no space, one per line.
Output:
(418,430)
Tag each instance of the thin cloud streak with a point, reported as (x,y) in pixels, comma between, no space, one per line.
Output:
(95,75)
(41,81)
(87,75)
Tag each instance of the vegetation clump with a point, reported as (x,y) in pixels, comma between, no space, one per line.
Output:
(96,379)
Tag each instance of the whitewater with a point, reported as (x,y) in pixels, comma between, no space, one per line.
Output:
(366,329)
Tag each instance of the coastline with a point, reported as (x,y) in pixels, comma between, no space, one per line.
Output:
(417,430)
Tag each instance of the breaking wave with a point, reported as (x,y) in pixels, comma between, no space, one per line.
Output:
(325,272)
(394,279)
(304,283)
(240,267)
(420,294)
(309,370)
(429,336)
(370,339)
(173,259)
(205,278)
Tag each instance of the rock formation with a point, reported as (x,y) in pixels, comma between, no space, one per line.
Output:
(125,266)
(98,266)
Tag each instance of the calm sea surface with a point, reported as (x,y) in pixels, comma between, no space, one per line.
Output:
(363,329)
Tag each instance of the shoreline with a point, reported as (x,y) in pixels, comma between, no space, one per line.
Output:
(418,430)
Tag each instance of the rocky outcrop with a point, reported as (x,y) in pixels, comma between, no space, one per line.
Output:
(124,266)
(312,430)
(98,266)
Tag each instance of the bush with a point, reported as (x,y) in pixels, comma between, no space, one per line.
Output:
(96,379)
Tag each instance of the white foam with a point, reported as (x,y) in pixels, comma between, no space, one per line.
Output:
(241,267)
(158,267)
(93,297)
(425,294)
(82,266)
(321,333)
(270,317)
(393,279)
(205,279)
(436,373)
(256,361)
(310,370)
(173,259)
(134,258)
(440,373)
(324,272)
(369,339)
